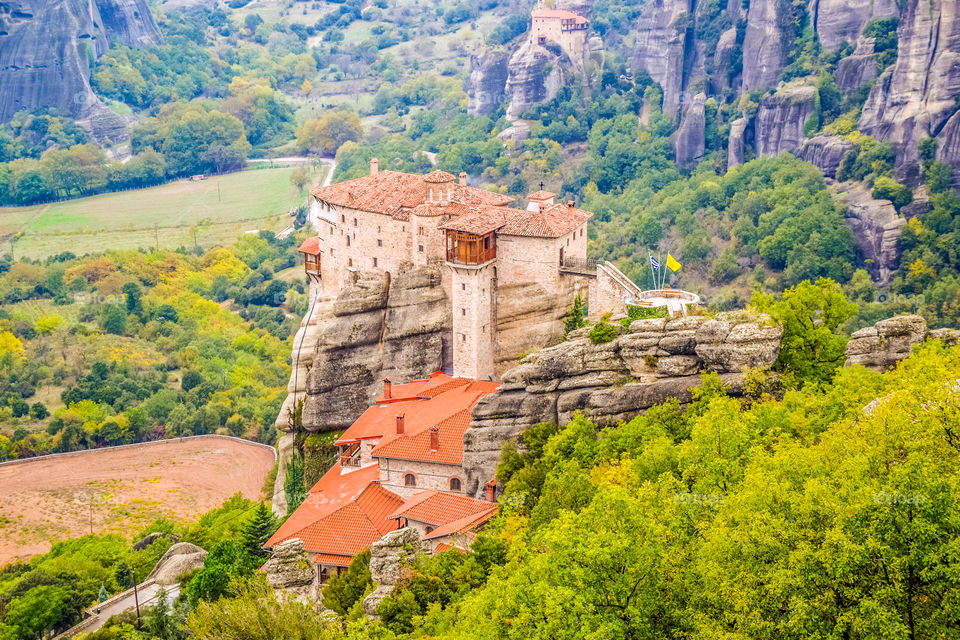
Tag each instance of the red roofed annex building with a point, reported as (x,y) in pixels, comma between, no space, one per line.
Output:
(566,28)
(389,218)
(400,464)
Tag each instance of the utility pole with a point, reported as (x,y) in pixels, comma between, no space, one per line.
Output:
(91,514)
(136,598)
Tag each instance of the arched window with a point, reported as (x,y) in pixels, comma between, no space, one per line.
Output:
(428,530)
(410,480)
(454,484)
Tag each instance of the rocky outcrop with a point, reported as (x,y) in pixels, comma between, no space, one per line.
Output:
(917,97)
(736,145)
(660,49)
(150,538)
(763,50)
(180,559)
(840,21)
(289,568)
(688,141)
(45,48)
(486,88)
(883,345)
(825,152)
(781,117)
(656,360)
(857,69)
(374,329)
(534,74)
(390,558)
(876,228)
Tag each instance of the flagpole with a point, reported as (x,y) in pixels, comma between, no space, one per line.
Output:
(653,278)
(662,274)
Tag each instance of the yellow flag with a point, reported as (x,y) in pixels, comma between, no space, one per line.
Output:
(672,263)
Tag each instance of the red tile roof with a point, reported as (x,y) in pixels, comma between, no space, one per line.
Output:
(541,195)
(343,513)
(558,220)
(423,403)
(311,245)
(395,193)
(466,524)
(558,13)
(335,560)
(439,508)
(416,446)
(438,177)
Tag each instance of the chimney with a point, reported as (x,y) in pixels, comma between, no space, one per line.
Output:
(491,491)
(400,424)
(570,205)
(434,438)
(543,207)
(374,166)
(463,178)
(387,389)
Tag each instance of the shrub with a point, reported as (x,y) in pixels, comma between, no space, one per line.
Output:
(603,331)
(885,188)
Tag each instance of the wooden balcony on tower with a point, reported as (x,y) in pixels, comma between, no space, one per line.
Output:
(470,249)
(311,256)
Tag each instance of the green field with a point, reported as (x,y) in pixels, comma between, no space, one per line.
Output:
(212,211)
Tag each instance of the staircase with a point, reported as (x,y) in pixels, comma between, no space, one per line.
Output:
(630,290)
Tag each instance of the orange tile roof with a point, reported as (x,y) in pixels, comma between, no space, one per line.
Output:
(558,220)
(558,13)
(335,560)
(310,245)
(541,195)
(423,403)
(343,513)
(443,546)
(395,193)
(416,446)
(439,508)
(438,176)
(464,525)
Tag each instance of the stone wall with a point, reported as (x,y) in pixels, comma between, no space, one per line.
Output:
(655,360)
(429,475)
(389,560)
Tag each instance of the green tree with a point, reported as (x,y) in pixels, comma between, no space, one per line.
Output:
(575,318)
(344,590)
(258,530)
(227,561)
(811,350)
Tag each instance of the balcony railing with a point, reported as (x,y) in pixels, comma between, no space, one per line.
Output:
(470,249)
(580,266)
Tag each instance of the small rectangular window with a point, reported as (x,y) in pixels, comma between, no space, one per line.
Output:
(349,262)
(374,262)
(464,285)
(343,218)
(379,243)
(463,312)
(420,248)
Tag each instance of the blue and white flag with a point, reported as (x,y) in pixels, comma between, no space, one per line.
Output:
(654,263)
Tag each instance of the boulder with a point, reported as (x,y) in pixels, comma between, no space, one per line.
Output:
(180,559)
(883,345)
(150,538)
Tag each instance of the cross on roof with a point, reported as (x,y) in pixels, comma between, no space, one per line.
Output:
(541,185)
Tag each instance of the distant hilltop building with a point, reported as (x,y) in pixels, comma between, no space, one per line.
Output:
(566,28)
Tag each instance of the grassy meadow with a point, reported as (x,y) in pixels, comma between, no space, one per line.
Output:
(208,212)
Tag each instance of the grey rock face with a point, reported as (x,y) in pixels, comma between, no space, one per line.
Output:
(739,130)
(660,48)
(390,557)
(876,228)
(179,559)
(781,116)
(883,345)
(488,81)
(656,360)
(374,330)
(839,21)
(289,568)
(762,45)
(534,75)
(688,140)
(825,152)
(44,52)
(857,69)
(917,97)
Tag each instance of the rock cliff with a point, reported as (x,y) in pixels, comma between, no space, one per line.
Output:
(689,141)
(840,21)
(883,345)
(486,87)
(876,228)
(917,97)
(825,152)
(857,69)
(534,74)
(660,48)
(781,117)
(46,48)
(655,360)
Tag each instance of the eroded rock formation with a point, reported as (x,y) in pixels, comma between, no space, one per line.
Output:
(289,568)
(390,557)
(45,48)
(883,345)
(534,74)
(488,79)
(180,559)
(781,117)
(857,69)
(656,360)
(916,98)
(825,152)
(660,48)
(688,141)
(876,228)
(840,21)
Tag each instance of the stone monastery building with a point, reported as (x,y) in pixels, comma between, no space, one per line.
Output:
(566,28)
(399,465)
(389,218)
